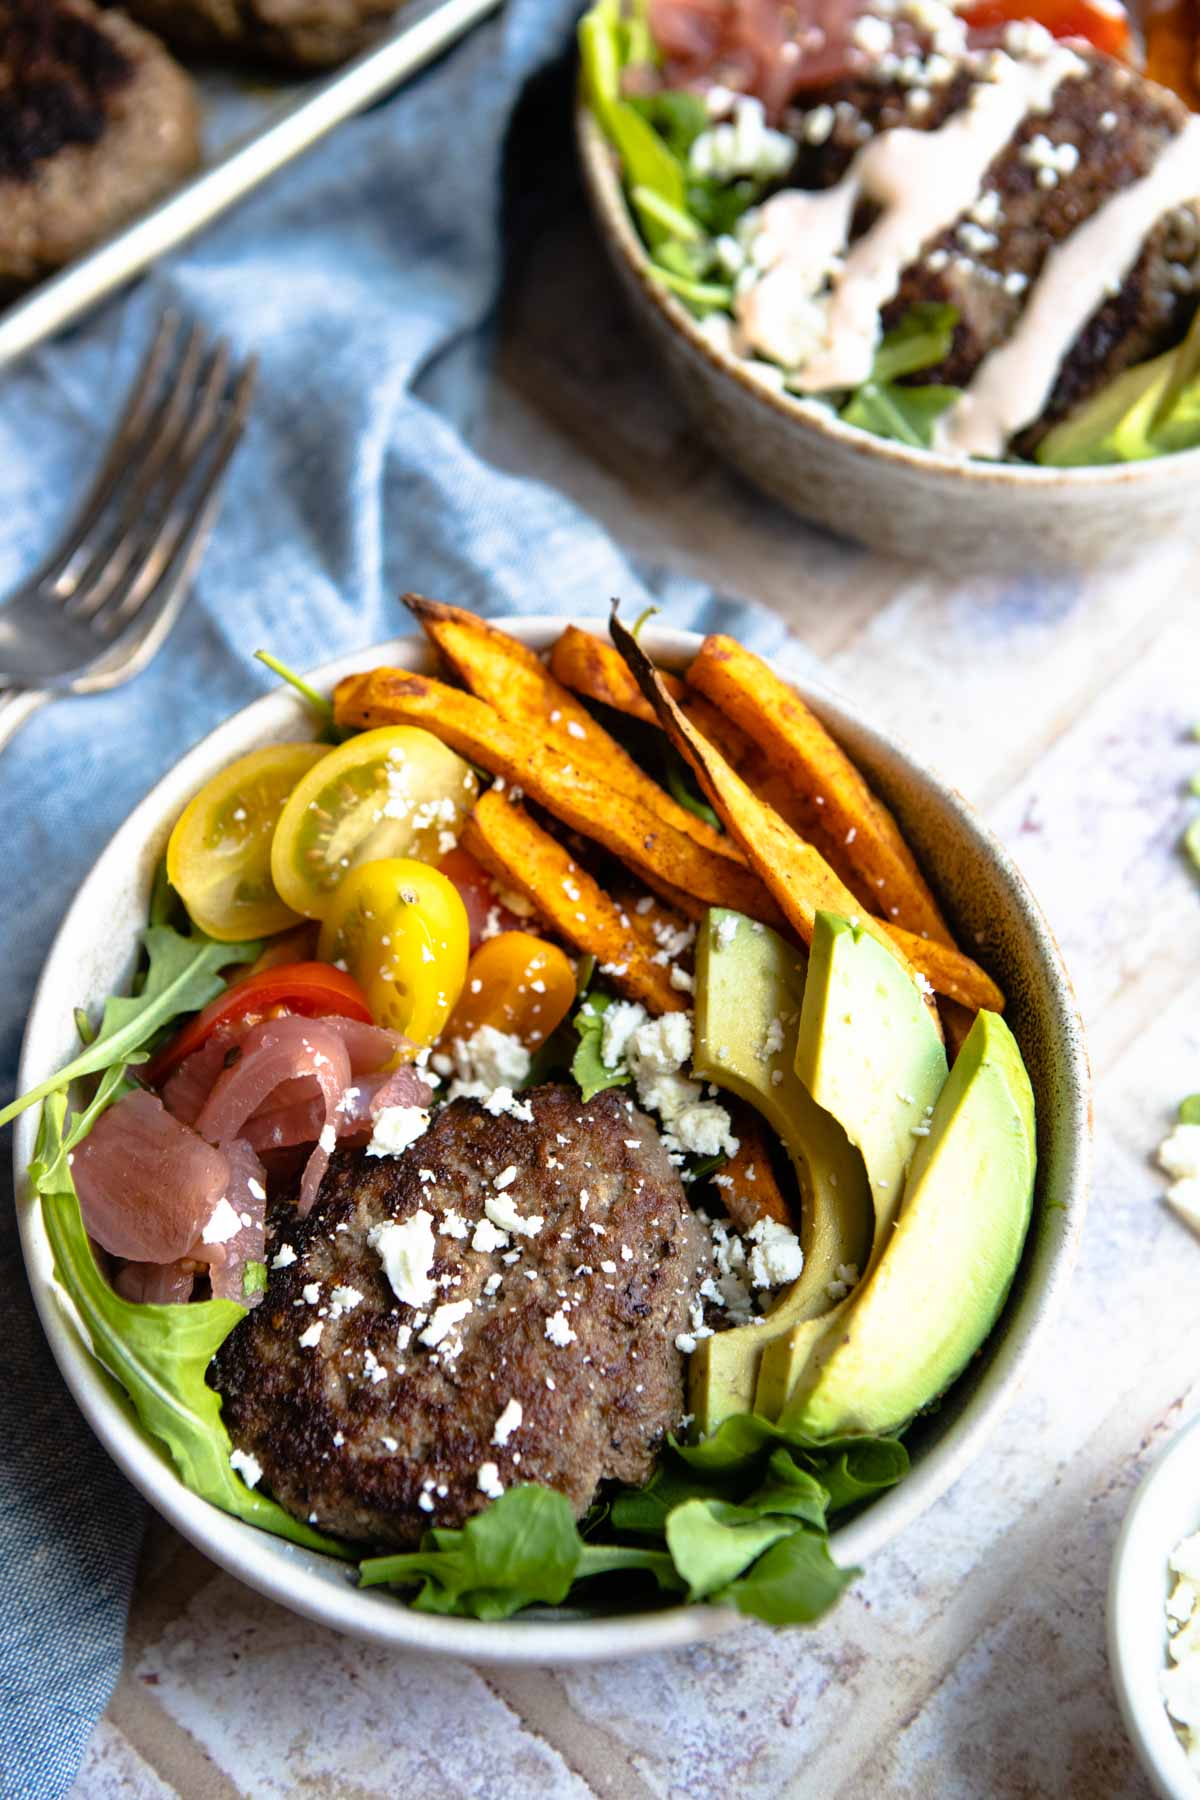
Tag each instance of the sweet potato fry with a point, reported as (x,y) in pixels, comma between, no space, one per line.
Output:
(747,1185)
(587,665)
(595,669)
(950,973)
(513,679)
(796,875)
(690,876)
(818,769)
(513,847)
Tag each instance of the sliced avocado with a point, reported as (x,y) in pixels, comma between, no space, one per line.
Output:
(749,993)
(911,1328)
(869,1052)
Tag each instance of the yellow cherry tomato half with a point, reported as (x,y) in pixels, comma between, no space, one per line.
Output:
(400,928)
(219,854)
(518,983)
(389,793)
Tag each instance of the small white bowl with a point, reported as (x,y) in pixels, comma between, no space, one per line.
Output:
(984,896)
(1165,1508)
(957,513)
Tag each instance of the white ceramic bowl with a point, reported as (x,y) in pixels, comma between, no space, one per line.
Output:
(983,895)
(1165,1508)
(909,503)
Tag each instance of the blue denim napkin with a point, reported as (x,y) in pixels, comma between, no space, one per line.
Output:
(364,278)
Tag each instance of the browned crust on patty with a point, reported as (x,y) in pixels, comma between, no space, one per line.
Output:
(601,1180)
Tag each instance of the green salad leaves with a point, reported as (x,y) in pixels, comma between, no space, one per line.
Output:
(588,1067)
(740,1520)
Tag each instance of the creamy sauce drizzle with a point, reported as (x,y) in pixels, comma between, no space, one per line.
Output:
(1012,385)
(924,181)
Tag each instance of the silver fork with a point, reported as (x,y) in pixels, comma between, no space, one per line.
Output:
(102,603)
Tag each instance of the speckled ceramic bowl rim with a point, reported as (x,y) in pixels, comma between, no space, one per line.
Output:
(601,174)
(315,1586)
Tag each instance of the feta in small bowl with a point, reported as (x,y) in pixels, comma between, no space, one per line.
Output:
(1154,1618)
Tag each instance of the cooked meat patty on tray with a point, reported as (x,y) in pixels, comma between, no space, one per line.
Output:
(499,1304)
(307,33)
(96,121)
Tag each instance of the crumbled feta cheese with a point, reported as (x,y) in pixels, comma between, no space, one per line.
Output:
(487,1238)
(506,1177)
(247,1465)
(223,1224)
(704,1129)
(344,1299)
(284,1257)
(452,1224)
(846,1277)
(621,1020)
(311,1292)
(558,1330)
(443,1321)
(396,1127)
(1180,1684)
(776,1256)
(726,930)
(488,1480)
(407,1252)
(308,1340)
(501,1209)
(503,1100)
(487,1060)
(662,1045)
(508,1422)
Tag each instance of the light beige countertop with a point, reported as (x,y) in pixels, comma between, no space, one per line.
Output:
(968,1660)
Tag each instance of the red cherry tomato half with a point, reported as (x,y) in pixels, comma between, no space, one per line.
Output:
(478,894)
(314,989)
(1103,23)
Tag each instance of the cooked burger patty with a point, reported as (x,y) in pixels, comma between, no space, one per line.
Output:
(308,33)
(1116,124)
(546,1351)
(96,121)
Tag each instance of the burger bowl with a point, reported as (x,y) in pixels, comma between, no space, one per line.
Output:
(989,906)
(961,514)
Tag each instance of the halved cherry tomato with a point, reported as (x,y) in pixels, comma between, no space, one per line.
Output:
(478,894)
(395,792)
(219,854)
(520,984)
(1103,23)
(313,989)
(400,927)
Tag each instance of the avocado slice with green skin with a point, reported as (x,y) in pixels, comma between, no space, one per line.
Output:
(906,1334)
(867,1051)
(749,992)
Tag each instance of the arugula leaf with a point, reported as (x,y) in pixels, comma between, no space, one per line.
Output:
(1189,1110)
(254,1278)
(795,1583)
(321,705)
(678,115)
(522,1548)
(158,1354)
(921,339)
(905,414)
(588,1066)
(850,1469)
(682,789)
(712,1543)
(647,161)
(183,975)
(702,296)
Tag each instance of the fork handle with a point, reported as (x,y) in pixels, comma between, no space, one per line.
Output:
(17,705)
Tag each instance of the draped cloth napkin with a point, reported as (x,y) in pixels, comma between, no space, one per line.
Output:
(364,278)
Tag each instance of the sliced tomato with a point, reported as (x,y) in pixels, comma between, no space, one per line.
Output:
(477,892)
(1102,23)
(313,989)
